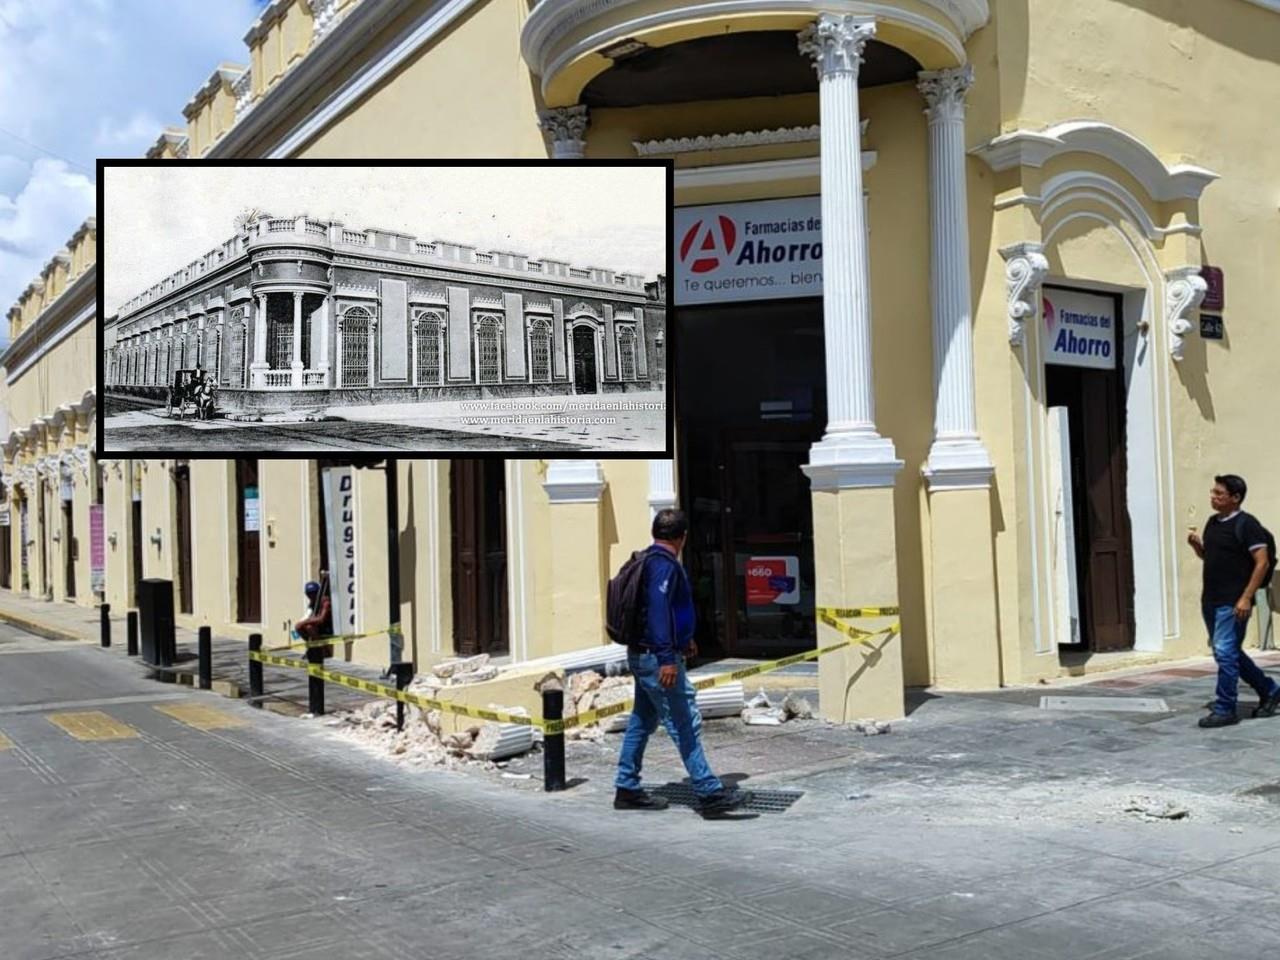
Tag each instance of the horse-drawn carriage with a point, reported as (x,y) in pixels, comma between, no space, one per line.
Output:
(192,391)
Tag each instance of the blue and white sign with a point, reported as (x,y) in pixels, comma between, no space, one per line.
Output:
(1080,329)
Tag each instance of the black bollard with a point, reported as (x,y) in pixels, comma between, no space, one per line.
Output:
(131,632)
(106,624)
(255,670)
(315,685)
(553,743)
(404,675)
(205,652)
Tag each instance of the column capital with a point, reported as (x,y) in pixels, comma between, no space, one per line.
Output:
(1025,268)
(574,481)
(836,42)
(944,91)
(567,128)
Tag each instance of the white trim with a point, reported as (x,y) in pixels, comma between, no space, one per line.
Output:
(1030,148)
(518,571)
(57,337)
(434,21)
(551,21)
(597,327)
(574,481)
(760,171)
(727,141)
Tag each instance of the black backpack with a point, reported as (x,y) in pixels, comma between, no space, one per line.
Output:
(623,601)
(1271,549)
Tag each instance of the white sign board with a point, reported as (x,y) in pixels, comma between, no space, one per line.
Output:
(252,515)
(1080,329)
(766,250)
(340,525)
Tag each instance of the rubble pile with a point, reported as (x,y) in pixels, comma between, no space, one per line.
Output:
(373,725)
(760,711)
(588,690)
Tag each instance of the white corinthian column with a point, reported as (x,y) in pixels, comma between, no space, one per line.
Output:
(851,453)
(957,457)
(567,128)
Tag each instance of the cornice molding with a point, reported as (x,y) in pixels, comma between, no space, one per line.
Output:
(1032,148)
(729,141)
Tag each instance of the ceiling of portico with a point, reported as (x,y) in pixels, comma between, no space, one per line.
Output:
(730,66)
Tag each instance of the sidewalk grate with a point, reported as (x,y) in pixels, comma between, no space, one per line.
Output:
(761,801)
(1109,704)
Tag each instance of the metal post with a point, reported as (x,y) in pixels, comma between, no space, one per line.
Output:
(106,624)
(404,674)
(393,559)
(131,631)
(255,670)
(315,685)
(205,651)
(553,743)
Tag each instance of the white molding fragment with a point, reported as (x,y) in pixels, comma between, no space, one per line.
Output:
(1184,292)
(1031,148)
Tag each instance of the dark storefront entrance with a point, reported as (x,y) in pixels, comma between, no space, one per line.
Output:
(751,398)
(1095,405)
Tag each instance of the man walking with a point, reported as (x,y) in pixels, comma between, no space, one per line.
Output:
(663,693)
(1234,549)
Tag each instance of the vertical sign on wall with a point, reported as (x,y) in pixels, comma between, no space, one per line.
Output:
(340,525)
(97,561)
(252,515)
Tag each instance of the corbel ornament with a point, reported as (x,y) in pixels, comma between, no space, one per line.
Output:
(1025,267)
(1183,293)
(81,454)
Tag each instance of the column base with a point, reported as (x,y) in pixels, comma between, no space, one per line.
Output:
(295,373)
(856,564)
(843,461)
(958,465)
(964,628)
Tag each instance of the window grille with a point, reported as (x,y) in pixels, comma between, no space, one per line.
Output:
(627,353)
(429,349)
(280,344)
(540,351)
(487,350)
(355,347)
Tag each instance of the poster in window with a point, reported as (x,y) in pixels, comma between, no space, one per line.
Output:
(773,580)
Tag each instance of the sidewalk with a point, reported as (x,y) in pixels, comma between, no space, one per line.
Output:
(284,690)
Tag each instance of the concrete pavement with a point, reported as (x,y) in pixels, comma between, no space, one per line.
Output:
(982,826)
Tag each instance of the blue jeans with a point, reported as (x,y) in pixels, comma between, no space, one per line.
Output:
(1226,633)
(676,709)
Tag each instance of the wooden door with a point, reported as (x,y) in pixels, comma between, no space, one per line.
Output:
(182,495)
(248,549)
(1109,558)
(478,499)
(584,360)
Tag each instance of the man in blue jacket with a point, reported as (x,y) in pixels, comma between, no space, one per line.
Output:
(663,692)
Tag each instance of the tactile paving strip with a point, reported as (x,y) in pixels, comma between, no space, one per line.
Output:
(761,800)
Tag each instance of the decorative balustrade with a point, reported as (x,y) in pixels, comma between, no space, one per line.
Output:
(534,267)
(484,258)
(427,248)
(276,226)
(580,274)
(313,378)
(277,378)
(351,236)
(315,226)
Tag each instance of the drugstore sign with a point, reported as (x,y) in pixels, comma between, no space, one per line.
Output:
(765,250)
(1080,330)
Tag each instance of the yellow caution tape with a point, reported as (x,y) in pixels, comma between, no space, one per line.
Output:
(831,616)
(393,630)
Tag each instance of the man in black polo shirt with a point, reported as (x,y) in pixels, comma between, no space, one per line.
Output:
(1234,551)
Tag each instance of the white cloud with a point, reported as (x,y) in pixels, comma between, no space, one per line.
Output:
(37,221)
(142,127)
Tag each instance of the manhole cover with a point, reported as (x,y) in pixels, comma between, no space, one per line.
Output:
(762,801)
(1113,704)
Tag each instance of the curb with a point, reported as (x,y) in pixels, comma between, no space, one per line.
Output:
(39,629)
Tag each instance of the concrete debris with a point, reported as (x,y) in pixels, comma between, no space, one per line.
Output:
(797,708)
(1149,808)
(455,666)
(373,727)
(764,716)
(475,676)
(761,699)
(871,728)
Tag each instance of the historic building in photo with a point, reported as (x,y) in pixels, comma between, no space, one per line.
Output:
(50,483)
(297,312)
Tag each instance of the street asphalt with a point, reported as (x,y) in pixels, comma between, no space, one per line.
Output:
(146,820)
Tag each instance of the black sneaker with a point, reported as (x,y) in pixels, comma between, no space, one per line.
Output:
(723,801)
(637,800)
(1219,720)
(1269,706)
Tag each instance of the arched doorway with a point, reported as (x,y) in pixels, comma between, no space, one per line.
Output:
(585,377)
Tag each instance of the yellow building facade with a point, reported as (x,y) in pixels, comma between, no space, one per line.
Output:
(971,297)
(50,481)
